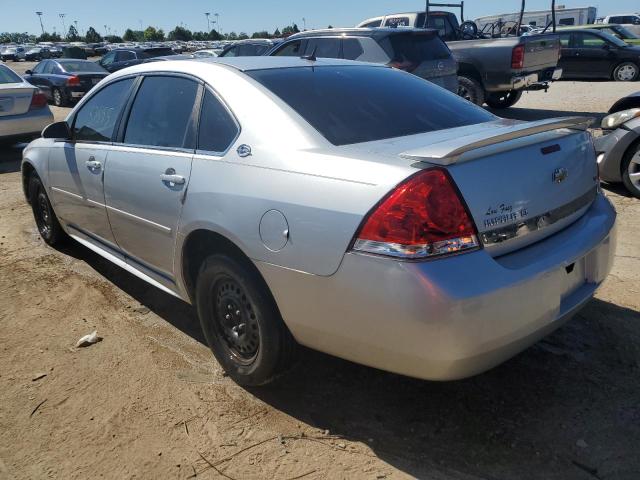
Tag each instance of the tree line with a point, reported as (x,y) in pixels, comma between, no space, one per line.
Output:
(150,34)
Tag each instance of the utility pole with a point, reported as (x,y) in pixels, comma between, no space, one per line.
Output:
(64,28)
(105,30)
(76,24)
(208,24)
(217,22)
(304,24)
(40,17)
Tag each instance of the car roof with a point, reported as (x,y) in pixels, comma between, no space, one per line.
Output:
(359,32)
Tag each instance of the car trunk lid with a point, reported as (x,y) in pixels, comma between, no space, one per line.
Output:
(522,182)
(88,80)
(15,99)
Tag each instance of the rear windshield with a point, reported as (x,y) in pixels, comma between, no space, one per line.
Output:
(415,47)
(353,104)
(81,67)
(7,76)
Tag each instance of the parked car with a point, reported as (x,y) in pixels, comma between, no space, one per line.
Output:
(55,52)
(205,53)
(23,108)
(14,54)
(249,48)
(596,54)
(259,188)
(612,29)
(416,51)
(618,148)
(36,54)
(65,80)
(491,70)
(629,20)
(120,58)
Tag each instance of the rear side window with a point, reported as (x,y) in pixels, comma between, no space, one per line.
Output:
(323,47)
(352,104)
(217,127)
(397,22)
(374,24)
(415,47)
(351,48)
(161,113)
(97,118)
(230,52)
(124,56)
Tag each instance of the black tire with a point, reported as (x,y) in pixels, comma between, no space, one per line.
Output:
(58,98)
(631,165)
(241,321)
(626,72)
(470,89)
(46,220)
(501,100)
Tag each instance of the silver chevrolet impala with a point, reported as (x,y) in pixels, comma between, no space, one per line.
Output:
(348,207)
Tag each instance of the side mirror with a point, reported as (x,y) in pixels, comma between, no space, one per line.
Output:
(28,72)
(57,130)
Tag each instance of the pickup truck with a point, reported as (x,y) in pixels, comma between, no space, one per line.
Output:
(629,20)
(494,71)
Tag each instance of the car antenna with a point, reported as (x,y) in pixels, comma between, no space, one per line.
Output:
(312,56)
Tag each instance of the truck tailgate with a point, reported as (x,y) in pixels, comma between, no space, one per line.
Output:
(540,51)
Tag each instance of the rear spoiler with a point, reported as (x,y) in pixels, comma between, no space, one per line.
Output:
(449,152)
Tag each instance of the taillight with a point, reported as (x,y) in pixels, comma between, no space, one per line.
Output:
(73,81)
(38,100)
(422,217)
(406,65)
(517,57)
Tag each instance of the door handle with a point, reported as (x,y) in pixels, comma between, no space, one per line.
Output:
(93,164)
(170,177)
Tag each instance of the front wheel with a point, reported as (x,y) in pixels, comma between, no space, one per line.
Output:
(631,171)
(48,225)
(241,321)
(470,89)
(501,100)
(626,72)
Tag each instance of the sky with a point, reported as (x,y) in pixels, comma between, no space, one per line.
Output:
(244,16)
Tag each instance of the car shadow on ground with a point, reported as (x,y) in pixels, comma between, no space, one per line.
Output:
(533,114)
(568,407)
(10,157)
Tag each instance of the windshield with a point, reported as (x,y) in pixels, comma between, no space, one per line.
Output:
(353,104)
(7,76)
(81,67)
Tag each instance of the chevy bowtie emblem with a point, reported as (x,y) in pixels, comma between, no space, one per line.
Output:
(560,175)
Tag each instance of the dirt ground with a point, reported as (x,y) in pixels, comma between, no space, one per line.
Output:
(149,400)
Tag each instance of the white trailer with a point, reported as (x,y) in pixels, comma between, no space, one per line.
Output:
(542,18)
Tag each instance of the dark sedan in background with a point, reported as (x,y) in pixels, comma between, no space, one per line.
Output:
(596,54)
(120,58)
(36,54)
(65,80)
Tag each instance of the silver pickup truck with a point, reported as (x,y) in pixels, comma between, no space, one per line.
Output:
(494,71)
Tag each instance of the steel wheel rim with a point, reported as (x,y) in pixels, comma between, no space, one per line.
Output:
(634,171)
(464,93)
(44,218)
(627,73)
(236,321)
(57,97)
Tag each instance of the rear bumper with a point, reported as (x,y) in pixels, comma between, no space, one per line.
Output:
(501,82)
(26,125)
(449,318)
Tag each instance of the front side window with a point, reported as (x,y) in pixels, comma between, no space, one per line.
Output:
(230,52)
(97,118)
(49,68)
(161,113)
(353,104)
(217,127)
(291,49)
(108,58)
(323,47)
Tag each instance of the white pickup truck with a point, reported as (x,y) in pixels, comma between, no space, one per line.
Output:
(629,20)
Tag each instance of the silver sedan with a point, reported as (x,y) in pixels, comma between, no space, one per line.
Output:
(23,108)
(348,207)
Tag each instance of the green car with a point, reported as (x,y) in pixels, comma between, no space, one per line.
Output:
(617,30)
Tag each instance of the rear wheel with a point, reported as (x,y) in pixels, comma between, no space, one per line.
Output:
(470,89)
(626,72)
(503,99)
(241,322)
(48,225)
(58,98)
(631,171)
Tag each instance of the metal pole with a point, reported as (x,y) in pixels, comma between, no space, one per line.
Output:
(64,27)
(208,24)
(553,14)
(40,17)
(462,12)
(520,19)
